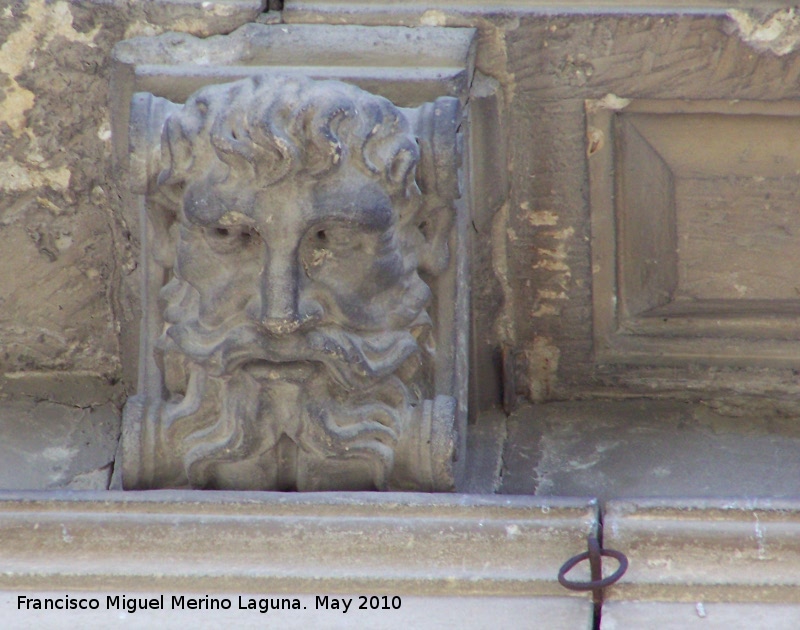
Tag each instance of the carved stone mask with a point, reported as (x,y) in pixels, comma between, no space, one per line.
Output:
(297,350)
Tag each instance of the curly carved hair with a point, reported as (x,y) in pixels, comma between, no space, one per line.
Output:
(269,127)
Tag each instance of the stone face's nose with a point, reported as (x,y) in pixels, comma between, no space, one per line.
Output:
(277,310)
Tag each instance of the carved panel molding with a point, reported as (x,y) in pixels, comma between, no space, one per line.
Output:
(304,303)
(693,239)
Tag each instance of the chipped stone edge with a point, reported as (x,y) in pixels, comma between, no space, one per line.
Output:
(197,17)
(777,32)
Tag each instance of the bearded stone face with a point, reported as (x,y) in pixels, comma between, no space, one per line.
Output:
(296,350)
(306,291)
(298,272)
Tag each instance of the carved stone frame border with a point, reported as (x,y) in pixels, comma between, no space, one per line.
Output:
(626,328)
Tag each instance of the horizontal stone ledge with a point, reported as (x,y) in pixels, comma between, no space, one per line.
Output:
(300,543)
(450,12)
(701,615)
(249,611)
(734,550)
(307,45)
(403,86)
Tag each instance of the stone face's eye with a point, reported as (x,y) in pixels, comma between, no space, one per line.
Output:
(219,233)
(340,250)
(335,237)
(228,239)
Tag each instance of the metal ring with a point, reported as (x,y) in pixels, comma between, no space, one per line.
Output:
(594,584)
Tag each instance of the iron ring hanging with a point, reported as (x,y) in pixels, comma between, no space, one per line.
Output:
(594,556)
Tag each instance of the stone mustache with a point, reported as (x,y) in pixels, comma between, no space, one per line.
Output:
(291,223)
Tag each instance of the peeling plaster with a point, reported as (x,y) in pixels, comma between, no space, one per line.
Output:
(547,294)
(45,22)
(609,101)
(540,217)
(546,310)
(17,178)
(551,297)
(553,259)
(104,131)
(542,359)
(433,18)
(220,9)
(778,33)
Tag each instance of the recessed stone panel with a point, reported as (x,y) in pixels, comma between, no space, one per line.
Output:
(696,237)
(739,238)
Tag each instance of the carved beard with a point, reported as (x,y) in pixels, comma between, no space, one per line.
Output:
(353,392)
(355,361)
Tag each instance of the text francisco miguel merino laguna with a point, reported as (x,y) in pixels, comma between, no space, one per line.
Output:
(182,602)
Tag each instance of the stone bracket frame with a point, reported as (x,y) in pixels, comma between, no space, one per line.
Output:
(409,68)
(656,299)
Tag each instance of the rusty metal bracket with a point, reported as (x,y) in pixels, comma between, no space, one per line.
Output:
(595,557)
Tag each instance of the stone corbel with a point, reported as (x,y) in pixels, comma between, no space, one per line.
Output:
(315,405)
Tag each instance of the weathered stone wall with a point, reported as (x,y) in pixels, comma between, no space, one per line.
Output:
(68,256)
(557,63)
(68,253)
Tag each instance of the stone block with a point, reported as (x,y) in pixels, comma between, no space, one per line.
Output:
(47,445)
